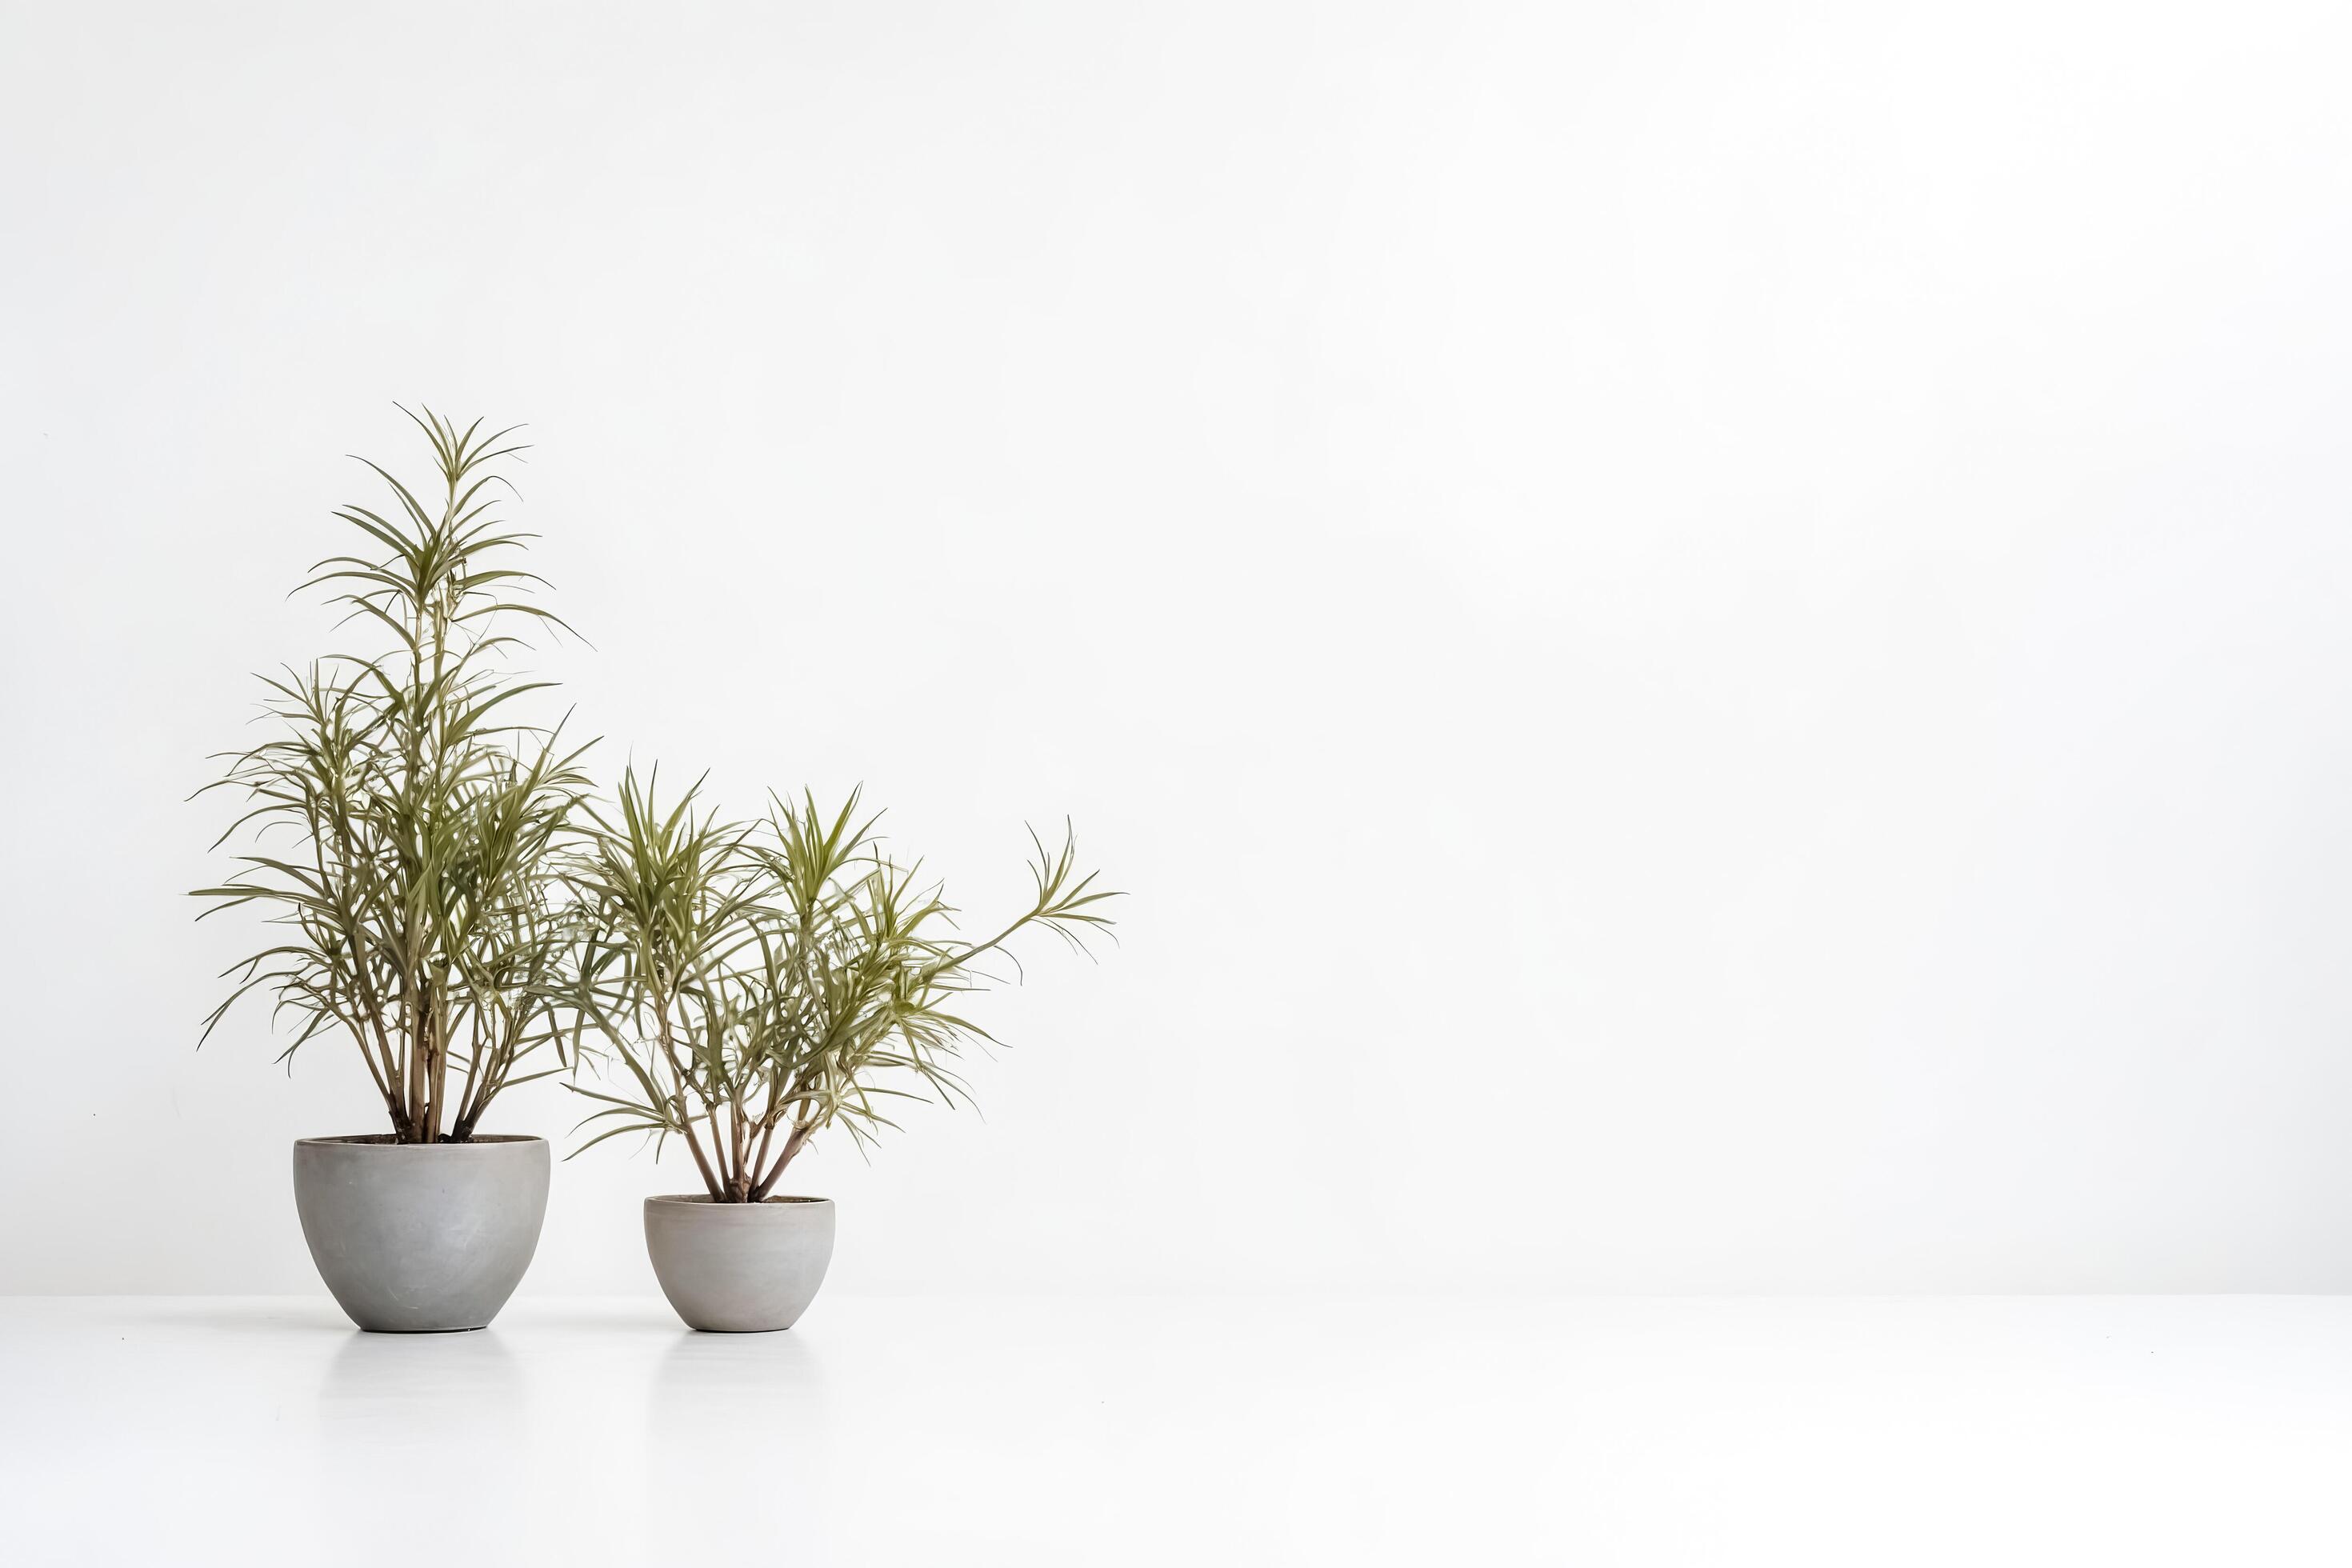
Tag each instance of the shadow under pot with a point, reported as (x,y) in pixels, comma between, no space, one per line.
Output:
(739,1269)
(419,1238)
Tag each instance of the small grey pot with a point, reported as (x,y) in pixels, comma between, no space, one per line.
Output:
(739,1269)
(419,1238)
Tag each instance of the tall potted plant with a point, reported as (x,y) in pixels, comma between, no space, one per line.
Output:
(403,833)
(758,985)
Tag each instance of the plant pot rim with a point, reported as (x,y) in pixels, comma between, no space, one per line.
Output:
(385,1140)
(706,1201)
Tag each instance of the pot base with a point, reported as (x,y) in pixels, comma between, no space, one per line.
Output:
(739,1268)
(421,1238)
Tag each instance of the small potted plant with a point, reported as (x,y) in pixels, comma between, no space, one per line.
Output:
(403,837)
(760,984)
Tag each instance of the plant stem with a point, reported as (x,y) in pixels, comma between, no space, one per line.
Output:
(678,1099)
(800,1131)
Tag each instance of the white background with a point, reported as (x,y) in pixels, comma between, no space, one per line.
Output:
(1711,638)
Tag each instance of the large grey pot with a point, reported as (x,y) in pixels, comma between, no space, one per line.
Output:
(421,1237)
(739,1269)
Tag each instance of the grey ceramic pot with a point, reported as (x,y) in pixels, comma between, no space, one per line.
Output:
(739,1269)
(418,1238)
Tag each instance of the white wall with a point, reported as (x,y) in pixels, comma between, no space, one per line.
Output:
(1712,639)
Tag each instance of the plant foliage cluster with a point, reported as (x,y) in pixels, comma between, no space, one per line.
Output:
(444,891)
(758,982)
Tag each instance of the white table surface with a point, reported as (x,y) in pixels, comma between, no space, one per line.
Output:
(945,1431)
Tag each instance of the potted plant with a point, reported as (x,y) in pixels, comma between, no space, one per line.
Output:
(760,984)
(404,835)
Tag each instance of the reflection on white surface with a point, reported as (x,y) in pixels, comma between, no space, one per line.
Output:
(938,1431)
(749,1408)
(398,1376)
(437,1411)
